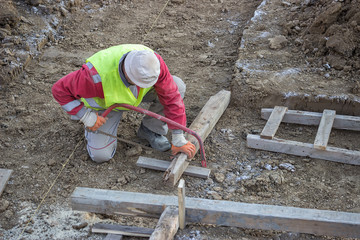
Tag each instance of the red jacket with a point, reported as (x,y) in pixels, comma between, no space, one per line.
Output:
(79,84)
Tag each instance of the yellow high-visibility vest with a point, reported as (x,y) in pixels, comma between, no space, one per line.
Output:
(106,63)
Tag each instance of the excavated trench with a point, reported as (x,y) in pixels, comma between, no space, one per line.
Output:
(275,68)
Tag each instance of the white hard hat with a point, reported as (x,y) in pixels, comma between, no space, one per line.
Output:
(142,67)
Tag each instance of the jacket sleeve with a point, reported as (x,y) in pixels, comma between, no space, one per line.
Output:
(79,84)
(169,95)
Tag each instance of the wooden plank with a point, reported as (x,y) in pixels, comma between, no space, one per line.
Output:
(121,230)
(324,130)
(273,122)
(111,236)
(219,212)
(161,165)
(181,201)
(167,225)
(4,177)
(176,168)
(313,118)
(202,125)
(304,149)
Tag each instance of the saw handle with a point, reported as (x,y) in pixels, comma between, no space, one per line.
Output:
(164,119)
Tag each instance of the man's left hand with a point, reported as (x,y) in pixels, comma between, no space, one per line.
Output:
(189,149)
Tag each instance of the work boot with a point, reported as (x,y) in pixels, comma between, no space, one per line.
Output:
(157,141)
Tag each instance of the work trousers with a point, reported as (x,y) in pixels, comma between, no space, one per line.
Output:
(101,148)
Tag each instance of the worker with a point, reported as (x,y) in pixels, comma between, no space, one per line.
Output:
(130,74)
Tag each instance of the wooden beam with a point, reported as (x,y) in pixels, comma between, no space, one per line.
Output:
(161,165)
(4,177)
(304,149)
(324,130)
(221,213)
(167,225)
(313,118)
(121,230)
(273,122)
(113,237)
(202,125)
(181,201)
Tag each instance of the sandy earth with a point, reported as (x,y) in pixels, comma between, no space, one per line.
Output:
(302,54)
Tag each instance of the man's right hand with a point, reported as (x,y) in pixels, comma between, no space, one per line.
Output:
(100,120)
(92,120)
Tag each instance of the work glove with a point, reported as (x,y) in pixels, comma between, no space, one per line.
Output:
(180,144)
(92,120)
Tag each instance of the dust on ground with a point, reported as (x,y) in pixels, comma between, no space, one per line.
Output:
(241,46)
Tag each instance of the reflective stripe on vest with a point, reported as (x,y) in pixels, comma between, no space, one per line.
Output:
(92,103)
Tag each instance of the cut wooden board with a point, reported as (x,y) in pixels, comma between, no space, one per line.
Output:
(4,177)
(202,125)
(161,165)
(313,118)
(121,230)
(221,213)
(167,225)
(273,122)
(304,149)
(324,130)
(181,201)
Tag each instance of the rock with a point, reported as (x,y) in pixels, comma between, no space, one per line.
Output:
(161,26)
(3,33)
(74,3)
(264,194)
(267,166)
(325,19)
(80,226)
(29,230)
(215,195)
(299,42)
(276,177)
(142,171)
(219,177)
(8,214)
(278,42)
(209,181)
(35,2)
(230,177)
(51,162)
(241,190)
(218,189)
(178,1)
(287,166)
(347,68)
(8,14)
(63,11)
(356,88)
(336,62)
(228,196)
(136,150)
(122,180)
(4,204)
(262,179)
(179,35)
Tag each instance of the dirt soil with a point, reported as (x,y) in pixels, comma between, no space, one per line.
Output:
(210,44)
